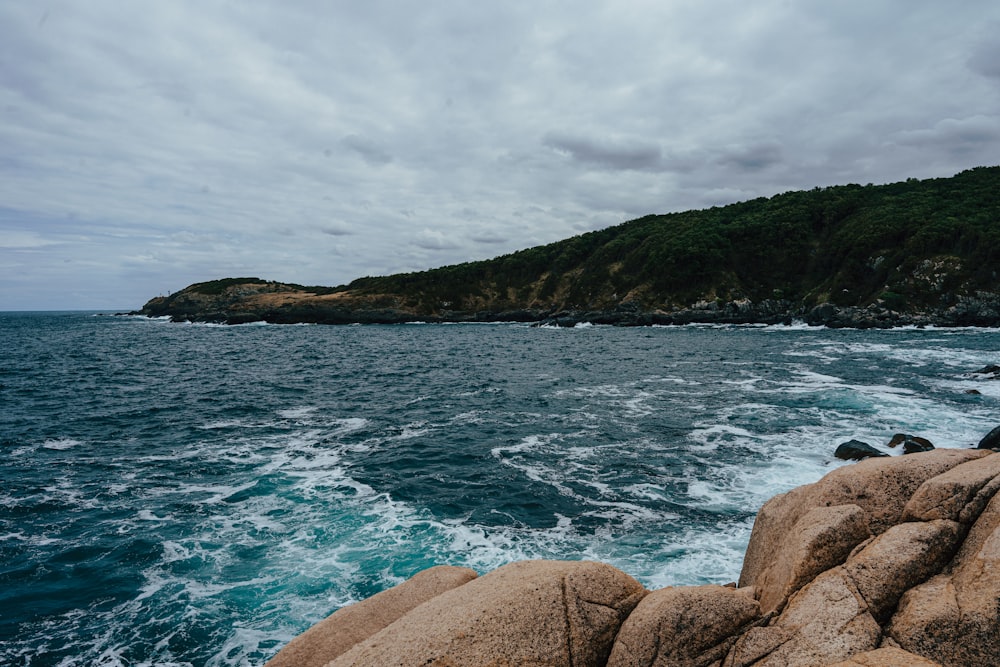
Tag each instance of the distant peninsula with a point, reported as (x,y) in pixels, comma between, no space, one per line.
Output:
(918,252)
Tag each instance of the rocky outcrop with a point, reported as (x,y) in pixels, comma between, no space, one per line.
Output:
(526,613)
(346,627)
(245,300)
(890,561)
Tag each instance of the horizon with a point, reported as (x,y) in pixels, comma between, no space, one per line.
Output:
(149,148)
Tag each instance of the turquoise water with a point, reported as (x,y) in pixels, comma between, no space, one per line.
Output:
(197,495)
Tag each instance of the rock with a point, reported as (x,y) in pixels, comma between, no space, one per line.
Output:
(683,627)
(902,438)
(989,369)
(526,613)
(820,540)
(959,494)
(923,590)
(954,618)
(886,657)
(879,486)
(855,450)
(826,621)
(902,557)
(991,440)
(973,392)
(341,630)
(915,445)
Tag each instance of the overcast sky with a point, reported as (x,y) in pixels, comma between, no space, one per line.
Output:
(145,146)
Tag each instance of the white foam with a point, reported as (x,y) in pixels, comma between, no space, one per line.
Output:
(296,413)
(61,444)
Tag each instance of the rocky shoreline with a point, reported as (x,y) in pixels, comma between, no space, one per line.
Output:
(894,560)
(243,301)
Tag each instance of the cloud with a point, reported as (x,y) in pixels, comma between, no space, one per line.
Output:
(187,140)
(624,155)
(369,150)
(433,239)
(954,135)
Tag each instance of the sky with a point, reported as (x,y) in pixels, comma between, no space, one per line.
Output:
(148,145)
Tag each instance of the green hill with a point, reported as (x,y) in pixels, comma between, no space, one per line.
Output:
(905,252)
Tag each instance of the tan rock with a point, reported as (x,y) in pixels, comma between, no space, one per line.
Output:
(879,486)
(527,613)
(959,494)
(821,539)
(692,626)
(754,644)
(902,557)
(886,657)
(955,619)
(928,619)
(827,621)
(344,628)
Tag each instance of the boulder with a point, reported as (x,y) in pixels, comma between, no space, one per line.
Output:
(683,627)
(879,486)
(341,630)
(826,621)
(902,557)
(886,657)
(914,445)
(890,561)
(855,450)
(901,438)
(991,440)
(954,618)
(526,613)
(820,540)
(959,494)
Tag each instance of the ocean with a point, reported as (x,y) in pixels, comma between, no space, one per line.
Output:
(181,494)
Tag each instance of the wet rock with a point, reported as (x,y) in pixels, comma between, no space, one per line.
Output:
(915,445)
(902,438)
(855,450)
(991,440)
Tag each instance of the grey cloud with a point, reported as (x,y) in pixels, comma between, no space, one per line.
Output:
(623,155)
(955,134)
(753,157)
(369,150)
(433,239)
(985,58)
(336,230)
(180,133)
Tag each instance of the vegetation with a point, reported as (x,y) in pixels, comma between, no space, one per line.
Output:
(906,244)
(926,249)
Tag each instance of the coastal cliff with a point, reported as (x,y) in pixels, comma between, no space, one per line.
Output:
(890,561)
(919,252)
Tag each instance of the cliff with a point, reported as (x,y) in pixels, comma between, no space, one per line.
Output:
(915,252)
(890,561)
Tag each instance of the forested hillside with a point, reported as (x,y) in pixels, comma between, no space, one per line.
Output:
(910,247)
(848,244)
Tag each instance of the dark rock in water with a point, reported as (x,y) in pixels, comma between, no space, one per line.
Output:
(855,450)
(914,445)
(991,369)
(901,438)
(991,440)
(898,439)
(973,392)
